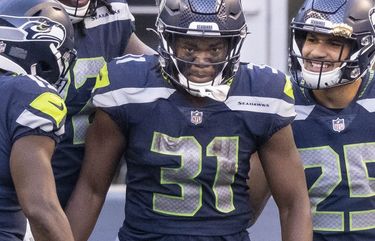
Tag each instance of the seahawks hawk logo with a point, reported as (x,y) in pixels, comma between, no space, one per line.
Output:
(32,28)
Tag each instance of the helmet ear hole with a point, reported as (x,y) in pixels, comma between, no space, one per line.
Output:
(44,66)
(45,70)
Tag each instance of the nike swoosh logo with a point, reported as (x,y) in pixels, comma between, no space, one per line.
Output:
(60,107)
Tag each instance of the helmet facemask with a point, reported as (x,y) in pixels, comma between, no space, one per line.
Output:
(222,67)
(324,72)
(65,59)
(208,21)
(348,26)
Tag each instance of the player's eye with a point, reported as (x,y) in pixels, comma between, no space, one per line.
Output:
(336,43)
(189,50)
(310,39)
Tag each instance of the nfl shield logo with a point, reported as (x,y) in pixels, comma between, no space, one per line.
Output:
(2,47)
(338,124)
(196,117)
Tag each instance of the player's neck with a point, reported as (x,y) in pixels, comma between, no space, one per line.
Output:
(337,97)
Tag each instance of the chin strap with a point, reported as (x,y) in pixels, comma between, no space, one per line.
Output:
(218,93)
(321,80)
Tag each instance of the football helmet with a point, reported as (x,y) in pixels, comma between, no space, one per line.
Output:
(352,20)
(208,19)
(36,37)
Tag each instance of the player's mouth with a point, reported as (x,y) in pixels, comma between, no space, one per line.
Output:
(200,78)
(200,75)
(318,66)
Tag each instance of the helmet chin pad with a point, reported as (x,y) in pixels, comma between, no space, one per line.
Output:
(76,14)
(321,80)
(215,88)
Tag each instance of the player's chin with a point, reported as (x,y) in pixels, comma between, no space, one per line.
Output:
(200,79)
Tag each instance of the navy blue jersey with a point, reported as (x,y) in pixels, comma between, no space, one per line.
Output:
(105,37)
(29,106)
(188,157)
(338,151)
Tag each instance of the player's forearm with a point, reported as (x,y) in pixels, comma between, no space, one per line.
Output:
(296,224)
(257,205)
(83,210)
(259,192)
(49,223)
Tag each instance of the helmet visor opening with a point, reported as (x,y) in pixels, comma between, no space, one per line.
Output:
(201,59)
(320,52)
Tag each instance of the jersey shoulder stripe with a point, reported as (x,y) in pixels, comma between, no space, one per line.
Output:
(261,105)
(368,104)
(131,96)
(128,80)
(262,89)
(303,111)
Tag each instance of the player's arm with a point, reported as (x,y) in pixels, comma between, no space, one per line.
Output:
(286,179)
(30,165)
(136,46)
(259,191)
(104,147)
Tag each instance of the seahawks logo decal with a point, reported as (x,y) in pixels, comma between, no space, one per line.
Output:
(32,28)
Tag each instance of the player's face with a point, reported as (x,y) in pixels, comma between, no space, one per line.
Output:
(324,47)
(202,52)
(75,3)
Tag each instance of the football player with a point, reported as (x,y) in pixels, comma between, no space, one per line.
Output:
(36,49)
(332,53)
(103,29)
(188,121)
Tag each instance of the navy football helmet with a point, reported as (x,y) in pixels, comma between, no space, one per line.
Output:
(352,20)
(208,19)
(36,37)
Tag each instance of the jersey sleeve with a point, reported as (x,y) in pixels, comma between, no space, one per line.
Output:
(121,82)
(130,16)
(127,17)
(107,94)
(273,97)
(36,109)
